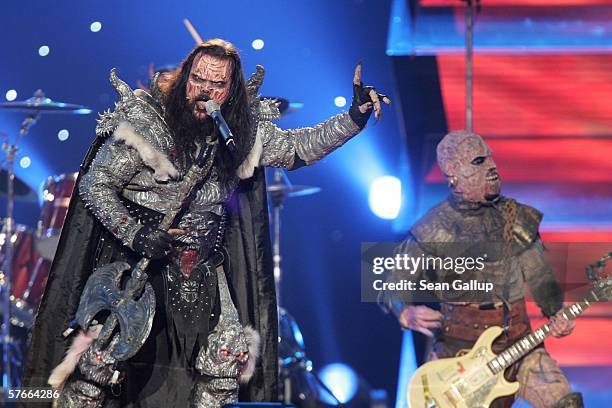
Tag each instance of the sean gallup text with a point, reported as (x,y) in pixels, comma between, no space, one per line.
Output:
(423,284)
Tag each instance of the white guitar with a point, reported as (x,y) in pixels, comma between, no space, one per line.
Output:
(475,379)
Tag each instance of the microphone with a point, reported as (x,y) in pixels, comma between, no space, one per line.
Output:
(213,109)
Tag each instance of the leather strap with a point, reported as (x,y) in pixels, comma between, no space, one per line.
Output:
(468,323)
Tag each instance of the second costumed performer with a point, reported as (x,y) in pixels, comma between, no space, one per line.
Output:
(473,221)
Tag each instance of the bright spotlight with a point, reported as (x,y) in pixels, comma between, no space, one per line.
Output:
(340,101)
(25,162)
(43,51)
(63,135)
(341,380)
(257,44)
(95,26)
(386,197)
(11,95)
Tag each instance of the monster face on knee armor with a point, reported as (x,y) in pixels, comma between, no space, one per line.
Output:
(229,358)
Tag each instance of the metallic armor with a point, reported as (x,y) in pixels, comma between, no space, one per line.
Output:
(221,363)
(310,144)
(119,168)
(138,166)
(91,385)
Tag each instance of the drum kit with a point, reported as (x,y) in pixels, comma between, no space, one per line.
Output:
(299,385)
(26,253)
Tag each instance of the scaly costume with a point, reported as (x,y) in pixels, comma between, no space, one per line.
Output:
(128,180)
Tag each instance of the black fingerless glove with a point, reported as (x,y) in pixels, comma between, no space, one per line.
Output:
(152,243)
(361,95)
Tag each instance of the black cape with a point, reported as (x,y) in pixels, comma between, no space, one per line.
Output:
(247,240)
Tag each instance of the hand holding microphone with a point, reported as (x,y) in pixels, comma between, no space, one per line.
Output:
(214,111)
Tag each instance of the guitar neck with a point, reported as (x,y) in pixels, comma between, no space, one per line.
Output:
(515,352)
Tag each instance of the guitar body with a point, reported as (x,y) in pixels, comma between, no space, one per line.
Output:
(461,382)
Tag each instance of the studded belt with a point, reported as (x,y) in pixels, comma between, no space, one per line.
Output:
(467,322)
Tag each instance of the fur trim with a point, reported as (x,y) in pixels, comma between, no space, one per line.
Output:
(164,170)
(247,168)
(254,344)
(79,345)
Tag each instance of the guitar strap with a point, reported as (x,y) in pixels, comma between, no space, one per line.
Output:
(509,210)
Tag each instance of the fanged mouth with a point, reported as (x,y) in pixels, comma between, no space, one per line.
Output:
(492,177)
(227,384)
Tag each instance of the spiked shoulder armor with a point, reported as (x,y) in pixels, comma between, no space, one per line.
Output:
(141,111)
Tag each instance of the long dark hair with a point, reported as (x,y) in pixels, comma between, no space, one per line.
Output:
(235,110)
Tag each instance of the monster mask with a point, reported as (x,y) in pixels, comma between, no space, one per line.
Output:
(210,78)
(467,162)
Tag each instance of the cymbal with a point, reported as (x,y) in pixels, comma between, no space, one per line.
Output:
(41,104)
(22,314)
(23,192)
(293,190)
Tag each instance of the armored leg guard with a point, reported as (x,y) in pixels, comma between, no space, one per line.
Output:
(90,384)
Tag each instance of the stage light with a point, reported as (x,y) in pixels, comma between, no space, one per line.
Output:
(340,101)
(43,51)
(385,197)
(11,95)
(63,135)
(25,162)
(341,380)
(95,26)
(257,44)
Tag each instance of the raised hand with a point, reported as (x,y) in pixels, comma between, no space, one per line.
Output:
(365,99)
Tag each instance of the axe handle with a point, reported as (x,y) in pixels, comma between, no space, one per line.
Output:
(192,178)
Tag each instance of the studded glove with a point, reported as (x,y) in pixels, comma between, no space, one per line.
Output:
(152,243)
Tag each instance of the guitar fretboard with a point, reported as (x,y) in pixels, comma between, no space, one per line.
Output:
(515,352)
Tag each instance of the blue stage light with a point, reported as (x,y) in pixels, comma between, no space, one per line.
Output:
(385,197)
(11,95)
(340,101)
(63,135)
(257,44)
(43,51)
(341,380)
(25,162)
(408,366)
(95,26)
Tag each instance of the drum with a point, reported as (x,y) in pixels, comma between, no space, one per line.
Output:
(57,191)
(297,384)
(28,275)
(290,341)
